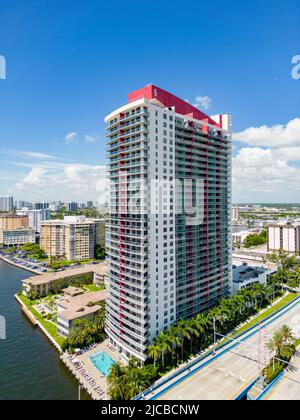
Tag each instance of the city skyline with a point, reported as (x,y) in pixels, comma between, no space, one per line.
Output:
(149,224)
(62,144)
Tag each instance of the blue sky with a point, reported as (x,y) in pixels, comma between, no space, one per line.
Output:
(71,63)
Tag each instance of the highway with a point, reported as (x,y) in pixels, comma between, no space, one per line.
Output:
(226,375)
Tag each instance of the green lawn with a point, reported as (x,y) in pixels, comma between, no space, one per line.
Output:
(33,257)
(93,288)
(49,326)
(284,301)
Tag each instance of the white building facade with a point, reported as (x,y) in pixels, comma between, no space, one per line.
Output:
(21,236)
(235,214)
(35,217)
(285,238)
(6,203)
(245,276)
(169,235)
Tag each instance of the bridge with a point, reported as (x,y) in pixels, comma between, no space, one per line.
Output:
(233,370)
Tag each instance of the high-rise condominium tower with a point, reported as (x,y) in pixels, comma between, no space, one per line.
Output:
(169,234)
(6,203)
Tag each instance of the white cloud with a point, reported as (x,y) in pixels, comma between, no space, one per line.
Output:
(203,102)
(267,168)
(290,154)
(64,182)
(71,137)
(33,177)
(90,139)
(264,175)
(275,136)
(37,155)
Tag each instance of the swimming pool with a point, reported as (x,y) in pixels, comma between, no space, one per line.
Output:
(103,362)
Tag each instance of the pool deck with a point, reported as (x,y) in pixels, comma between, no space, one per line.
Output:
(91,370)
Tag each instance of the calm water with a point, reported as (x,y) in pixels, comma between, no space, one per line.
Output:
(30,369)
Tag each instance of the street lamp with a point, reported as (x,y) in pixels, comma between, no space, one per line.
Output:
(215,335)
(79,392)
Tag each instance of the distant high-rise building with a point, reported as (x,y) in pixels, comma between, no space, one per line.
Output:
(38,216)
(235,214)
(42,205)
(89,204)
(72,207)
(6,203)
(53,207)
(35,217)
(169,233)
(21,204)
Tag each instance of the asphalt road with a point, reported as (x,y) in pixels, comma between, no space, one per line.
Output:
(224,378)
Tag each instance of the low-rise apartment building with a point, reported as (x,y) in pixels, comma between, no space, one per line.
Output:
(20,236)
(44,284)
(81,306)
(245,276)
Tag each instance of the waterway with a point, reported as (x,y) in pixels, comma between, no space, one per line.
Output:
(30,368)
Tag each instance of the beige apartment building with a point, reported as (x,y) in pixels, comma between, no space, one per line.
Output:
(14,230)
(13,221)
(284,238)
(73,238)
(100,231)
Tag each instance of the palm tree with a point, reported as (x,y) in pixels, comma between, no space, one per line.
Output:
(136,380)
(278,345)
(100,320)
(154,352)
(175,338)
(192,326)
(274,282)
(220,314)
(203,321)
(247,296)
(185,331)
(203,325)
(116,382)
(165,345)
(76,337)
(287,334)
